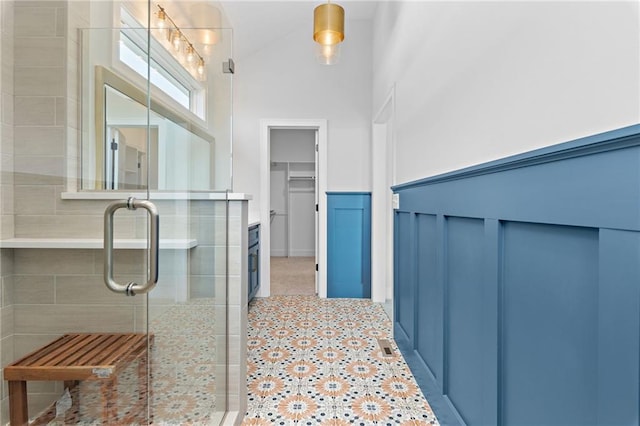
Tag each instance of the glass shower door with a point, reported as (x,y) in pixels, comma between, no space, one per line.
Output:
(74,351)
(188,307)
(184,150)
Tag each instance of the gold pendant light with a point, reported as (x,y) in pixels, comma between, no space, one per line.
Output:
(328,31)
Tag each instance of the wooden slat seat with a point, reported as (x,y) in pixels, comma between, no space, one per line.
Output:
(73,358)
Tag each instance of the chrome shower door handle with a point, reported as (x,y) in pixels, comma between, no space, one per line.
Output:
(131,288)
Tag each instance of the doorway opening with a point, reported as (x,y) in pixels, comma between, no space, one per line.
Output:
(126,157)
(299,181)
(293,197)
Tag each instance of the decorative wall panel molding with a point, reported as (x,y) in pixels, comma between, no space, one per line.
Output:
(517,286)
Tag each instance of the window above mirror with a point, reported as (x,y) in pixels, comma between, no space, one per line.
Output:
(170,74)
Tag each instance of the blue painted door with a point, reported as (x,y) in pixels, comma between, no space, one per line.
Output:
(349,245)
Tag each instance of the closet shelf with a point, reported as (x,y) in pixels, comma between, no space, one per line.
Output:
(302,173)
(302,178)
(94,243)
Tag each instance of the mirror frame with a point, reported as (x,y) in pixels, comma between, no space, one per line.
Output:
(106,77)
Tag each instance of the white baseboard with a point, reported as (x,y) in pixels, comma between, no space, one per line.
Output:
(302,253)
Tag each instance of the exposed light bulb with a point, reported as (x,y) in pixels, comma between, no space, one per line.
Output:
(328,54)
(162,20)
(200,68)
(191,54)
(176,40)
(161,23)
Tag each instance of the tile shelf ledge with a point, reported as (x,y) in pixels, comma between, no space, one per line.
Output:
(94,243)
(176,195)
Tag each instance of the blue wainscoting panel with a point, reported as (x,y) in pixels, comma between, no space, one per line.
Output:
(349,245)
(464,317)
(619,322)
(405,288)
(517,286)
(429,315)
(549,324)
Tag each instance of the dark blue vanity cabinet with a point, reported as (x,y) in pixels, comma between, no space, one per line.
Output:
(254,260)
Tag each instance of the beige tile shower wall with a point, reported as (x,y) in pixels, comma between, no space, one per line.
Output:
(54,291)
(40,95)
(6,193)
(43,213)
(207,278)
(237,265)
(40,71)
(6,118)
(47,123)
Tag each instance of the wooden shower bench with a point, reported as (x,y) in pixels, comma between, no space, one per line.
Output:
(75,357)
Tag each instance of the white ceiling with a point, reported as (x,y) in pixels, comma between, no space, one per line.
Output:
(258,23)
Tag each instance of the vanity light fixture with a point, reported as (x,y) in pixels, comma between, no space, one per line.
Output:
(184,50)
(162,20)
(200,68)
(328,32)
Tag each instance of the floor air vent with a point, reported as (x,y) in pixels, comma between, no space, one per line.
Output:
(385,346)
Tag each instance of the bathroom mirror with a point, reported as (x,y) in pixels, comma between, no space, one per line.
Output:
(178,154)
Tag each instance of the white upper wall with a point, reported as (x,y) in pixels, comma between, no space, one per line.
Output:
(282,80)
(477,81)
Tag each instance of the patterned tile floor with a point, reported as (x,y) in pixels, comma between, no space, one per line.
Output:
(317,361)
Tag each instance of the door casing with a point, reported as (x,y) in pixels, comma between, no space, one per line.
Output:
(266,125)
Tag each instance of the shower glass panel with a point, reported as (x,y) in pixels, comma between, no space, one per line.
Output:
(89,355)
(188,314)
(187,311)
